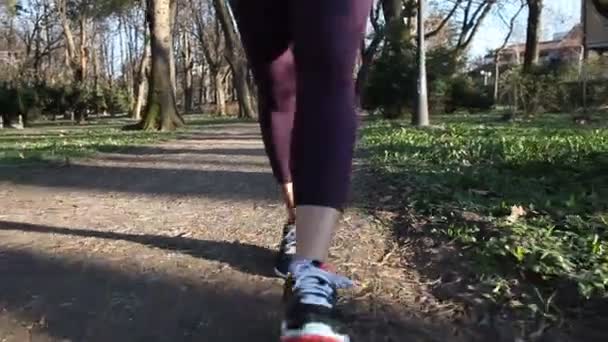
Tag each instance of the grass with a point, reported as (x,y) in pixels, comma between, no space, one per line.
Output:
(538,191)
(55,141)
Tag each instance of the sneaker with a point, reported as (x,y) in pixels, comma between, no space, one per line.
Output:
(286,251)
(311,300)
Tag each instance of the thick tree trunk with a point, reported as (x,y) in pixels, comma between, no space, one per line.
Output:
(142,80)
(237,60)
(243,91)
(161,110)
(535,9)
(397,31)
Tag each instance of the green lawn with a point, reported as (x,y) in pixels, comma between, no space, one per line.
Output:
(51,141)
(538,190)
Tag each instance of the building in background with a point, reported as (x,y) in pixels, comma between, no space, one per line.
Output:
(564,47)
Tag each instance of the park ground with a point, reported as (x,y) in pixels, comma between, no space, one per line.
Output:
(108,235)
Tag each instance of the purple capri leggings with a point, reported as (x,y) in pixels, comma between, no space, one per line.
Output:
(302,53)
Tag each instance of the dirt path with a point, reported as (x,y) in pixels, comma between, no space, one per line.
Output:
(175,243)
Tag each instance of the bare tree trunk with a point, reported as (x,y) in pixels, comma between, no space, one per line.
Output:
(475,13)
(498,51)
(237,60)
(111,66)
(173,17)
(76,60)
(142,79)
(220,95)
(397,31)
(161,110)
(202,91)
(242,91)
(188,60)
(496,77)
(129,64)
(83,49)
(96,89)
(535,9)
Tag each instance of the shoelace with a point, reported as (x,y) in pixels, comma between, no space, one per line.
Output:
(317,286)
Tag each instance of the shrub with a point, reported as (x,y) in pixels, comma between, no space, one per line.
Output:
(392,86)
(392,83)
(465,94)
(555,87)
(116,100)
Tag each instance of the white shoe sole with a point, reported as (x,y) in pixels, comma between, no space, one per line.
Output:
(312,330)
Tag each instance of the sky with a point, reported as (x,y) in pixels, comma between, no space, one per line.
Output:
(558,16)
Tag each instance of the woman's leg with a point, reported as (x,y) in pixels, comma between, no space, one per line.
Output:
(327,36)
(266,36)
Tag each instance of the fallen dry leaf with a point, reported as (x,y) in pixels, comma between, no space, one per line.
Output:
(517,211)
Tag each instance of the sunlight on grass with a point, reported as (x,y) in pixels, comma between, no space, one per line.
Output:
(49,141)
(542,185)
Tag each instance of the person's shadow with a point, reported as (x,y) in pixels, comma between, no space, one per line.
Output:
(46,298)
(245,257)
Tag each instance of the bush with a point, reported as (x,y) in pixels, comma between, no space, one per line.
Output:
(116,100)
(58,100)
(552,88)
(465,94)
(392,85)
(35,100)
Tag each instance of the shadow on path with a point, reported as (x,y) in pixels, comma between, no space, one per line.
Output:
(246,258)
(213,184)
(58,298)
(221,151)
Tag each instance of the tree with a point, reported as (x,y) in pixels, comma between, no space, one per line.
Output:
(510,28)
(474,13)
(397,31)
(535,9)
(161,110)
(236,58)
(142,80)
(209,33)
(188,64)
(369,51)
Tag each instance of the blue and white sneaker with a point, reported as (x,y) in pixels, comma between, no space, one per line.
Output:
(311,296)
(287,250)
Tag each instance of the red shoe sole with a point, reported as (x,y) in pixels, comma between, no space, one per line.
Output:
(309,339)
